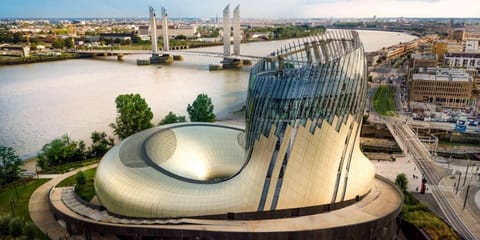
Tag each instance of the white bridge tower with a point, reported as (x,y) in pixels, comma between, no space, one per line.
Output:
(229,61)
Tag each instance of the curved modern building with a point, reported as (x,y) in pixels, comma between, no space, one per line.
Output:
(311,96)
(300,148)
(297,159)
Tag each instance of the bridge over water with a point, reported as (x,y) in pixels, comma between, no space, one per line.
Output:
(121,52)
(167,56)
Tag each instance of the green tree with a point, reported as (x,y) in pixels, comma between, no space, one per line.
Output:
(81,179)
(5,225)
(61,150)
(136,39)
(401,181)
(172,118)
(6,36)
(9,165)
(33,46)
(69,42)
(18,37)
(201,109)
(133,115)
(16,227)
(29,231)
(100,144)
(180,37)
(58,43)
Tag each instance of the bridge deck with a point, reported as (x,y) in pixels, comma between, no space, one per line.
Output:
(182,52)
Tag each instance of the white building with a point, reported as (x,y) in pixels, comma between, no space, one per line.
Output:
(463,59)
(471,45)
(173,30)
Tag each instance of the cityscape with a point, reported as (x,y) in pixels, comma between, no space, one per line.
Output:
(242,120)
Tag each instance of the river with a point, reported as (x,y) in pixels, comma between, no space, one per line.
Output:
(42,101)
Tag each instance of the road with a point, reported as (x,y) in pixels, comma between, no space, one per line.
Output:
(415,149)
(412,146)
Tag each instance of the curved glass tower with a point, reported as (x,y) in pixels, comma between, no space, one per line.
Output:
(316,78)
(313,86)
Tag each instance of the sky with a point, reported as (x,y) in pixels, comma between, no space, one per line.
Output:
(248,8)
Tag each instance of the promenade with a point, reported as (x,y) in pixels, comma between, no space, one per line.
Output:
(39,208)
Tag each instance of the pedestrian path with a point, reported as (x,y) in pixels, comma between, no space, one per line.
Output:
(470,214)
(39,207)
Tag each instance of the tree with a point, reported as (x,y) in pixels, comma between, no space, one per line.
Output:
(18,37)
(180,37)
(81,179)
(172,118)
(5,225)
(9,165)
(16,227)
(6,36)
(69,42)
(100,144)
(133,115)
(201,109)
(61,150)
(29,231)
(401,181)
(58,43)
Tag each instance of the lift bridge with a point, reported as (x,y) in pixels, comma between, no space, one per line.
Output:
(166,55)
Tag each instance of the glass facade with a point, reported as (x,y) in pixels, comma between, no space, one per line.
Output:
(314,78)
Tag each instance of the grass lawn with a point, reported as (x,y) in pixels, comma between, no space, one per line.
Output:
(21,203)
(384,100)
(7,57)
(87,191)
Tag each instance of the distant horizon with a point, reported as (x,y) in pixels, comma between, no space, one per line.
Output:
(254,9)
(293,18)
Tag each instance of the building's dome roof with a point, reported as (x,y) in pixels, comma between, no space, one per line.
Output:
(197,152)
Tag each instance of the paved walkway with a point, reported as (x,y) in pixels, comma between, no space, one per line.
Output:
(39,207)
(470,215)
(390,170)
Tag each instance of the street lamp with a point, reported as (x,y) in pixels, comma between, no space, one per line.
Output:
(466,172)
(458,182)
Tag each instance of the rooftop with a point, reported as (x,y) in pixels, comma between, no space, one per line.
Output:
(442,74)
(463,54)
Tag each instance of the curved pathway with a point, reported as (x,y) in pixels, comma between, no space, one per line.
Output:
(39,209)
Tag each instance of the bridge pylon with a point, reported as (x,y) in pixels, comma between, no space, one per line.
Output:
(156,56)
(229,60)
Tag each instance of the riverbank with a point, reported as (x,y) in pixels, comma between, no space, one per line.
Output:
(416,34)
(38,58)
